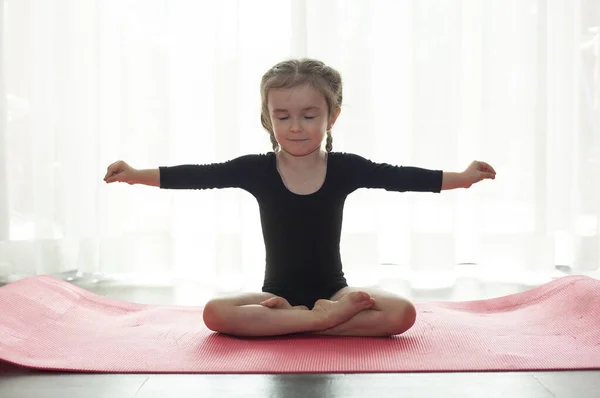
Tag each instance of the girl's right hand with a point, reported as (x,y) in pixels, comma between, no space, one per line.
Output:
(120,172)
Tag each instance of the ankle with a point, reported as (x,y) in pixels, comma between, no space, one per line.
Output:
(324,319)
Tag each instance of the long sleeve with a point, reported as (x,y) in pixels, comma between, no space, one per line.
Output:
(364,173)
(240,172)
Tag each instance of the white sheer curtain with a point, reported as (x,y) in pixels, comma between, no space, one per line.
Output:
(429,83)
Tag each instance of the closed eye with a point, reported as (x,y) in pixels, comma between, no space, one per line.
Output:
(287,117)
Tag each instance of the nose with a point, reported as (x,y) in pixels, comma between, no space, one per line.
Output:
(295,126)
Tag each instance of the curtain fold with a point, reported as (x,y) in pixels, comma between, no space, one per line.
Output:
(427,83)
(4,219)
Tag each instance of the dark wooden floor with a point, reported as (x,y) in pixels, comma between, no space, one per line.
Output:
(24,384)
(502,385)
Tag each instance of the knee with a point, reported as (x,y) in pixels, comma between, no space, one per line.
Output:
(402,318)
(213,315)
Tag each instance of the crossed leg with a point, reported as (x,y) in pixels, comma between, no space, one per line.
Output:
(391,315)
(349,312)
(264,314)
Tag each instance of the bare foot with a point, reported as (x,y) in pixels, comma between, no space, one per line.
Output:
(337,312)
(281,303)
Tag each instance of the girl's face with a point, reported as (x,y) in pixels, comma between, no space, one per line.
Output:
(300,119)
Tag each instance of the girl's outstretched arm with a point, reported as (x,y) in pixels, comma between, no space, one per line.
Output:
(476,172)
(240,172)
(120,171)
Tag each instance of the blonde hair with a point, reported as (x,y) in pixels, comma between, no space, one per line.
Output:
(296,72)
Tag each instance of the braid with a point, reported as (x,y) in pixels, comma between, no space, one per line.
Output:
(274,142)
(329,143)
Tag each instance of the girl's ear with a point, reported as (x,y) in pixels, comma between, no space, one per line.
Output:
(334,117)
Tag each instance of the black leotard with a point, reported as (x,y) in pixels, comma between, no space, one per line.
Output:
(301,232)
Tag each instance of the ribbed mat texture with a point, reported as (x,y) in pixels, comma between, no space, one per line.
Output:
(49,324)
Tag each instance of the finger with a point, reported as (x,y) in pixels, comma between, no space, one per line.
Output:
(488,168)
(110,166)
(110,170)
(479,166)
(117,177)
(110,174)
(115,166)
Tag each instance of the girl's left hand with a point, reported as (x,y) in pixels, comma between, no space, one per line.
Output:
(478,171)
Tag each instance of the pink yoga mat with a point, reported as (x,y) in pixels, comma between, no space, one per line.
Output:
(49,324)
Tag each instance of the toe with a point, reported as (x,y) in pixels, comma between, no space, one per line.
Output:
(368,303)
(360,297)
(271,302)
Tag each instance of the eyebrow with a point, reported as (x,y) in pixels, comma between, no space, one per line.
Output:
(308,108)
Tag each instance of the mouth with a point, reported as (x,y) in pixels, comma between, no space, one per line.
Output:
(299,140)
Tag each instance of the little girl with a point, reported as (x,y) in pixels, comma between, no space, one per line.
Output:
(301,190)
